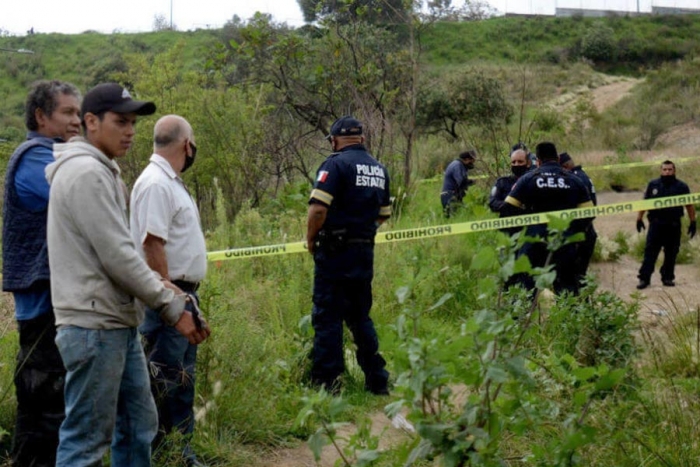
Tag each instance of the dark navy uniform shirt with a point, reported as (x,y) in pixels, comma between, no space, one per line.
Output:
(658,189)
(355,188)
(549,188)
(578,171)
(500,191)
(456,179)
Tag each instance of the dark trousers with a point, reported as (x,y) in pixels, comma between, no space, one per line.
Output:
(343,293)
(584,253)
(39,381)
(450,203)
(661,235)
(171,360)
(563,259)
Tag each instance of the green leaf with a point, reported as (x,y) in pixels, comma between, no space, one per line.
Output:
(580,398)
(402,294)
(584,374)
(316,443)
(610,380)
(558,223)
(485,259)
(487,287)
(497,374)
(522,264)
(545,280)
(440,302)
(367,456)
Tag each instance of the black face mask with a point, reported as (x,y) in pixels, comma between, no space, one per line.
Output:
(668,179)
(189,160)
(470,166)
(519,170)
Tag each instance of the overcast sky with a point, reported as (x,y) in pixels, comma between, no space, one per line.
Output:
(76,16)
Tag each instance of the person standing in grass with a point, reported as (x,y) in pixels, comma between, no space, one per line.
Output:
(52,114)
(96,273)
(349,201)
(664,227)
(549,188)
(519,165)
(165,228)
(586,248)
(456,182)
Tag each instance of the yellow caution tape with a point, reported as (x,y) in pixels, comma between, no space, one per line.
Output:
(472,226)
(637,164)
(606,167)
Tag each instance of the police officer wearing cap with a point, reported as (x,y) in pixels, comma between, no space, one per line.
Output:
(349,201)
(664,227)
(456,182)
(549,188)
(585,248)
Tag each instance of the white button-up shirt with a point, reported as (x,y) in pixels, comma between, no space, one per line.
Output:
(162,206)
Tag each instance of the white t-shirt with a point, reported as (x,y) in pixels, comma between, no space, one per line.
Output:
(162,206)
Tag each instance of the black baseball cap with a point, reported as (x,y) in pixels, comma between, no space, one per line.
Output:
(564,157)
(113,97)
(346,126)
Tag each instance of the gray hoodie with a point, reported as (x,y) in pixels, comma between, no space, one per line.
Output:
(95,270)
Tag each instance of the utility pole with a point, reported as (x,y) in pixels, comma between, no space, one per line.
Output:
(171,15)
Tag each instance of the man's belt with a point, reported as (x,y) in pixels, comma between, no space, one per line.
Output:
(186,286)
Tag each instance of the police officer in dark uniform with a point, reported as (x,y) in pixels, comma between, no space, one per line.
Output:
(664,227)
(349,201)
(549,188)
(519,165)
(531,156)
(456,182)
(584,249)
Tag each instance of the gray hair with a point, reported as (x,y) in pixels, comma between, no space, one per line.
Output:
(44,96)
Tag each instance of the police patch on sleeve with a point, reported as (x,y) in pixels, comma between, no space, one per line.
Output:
(322,176)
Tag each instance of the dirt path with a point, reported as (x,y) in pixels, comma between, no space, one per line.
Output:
(389,435)
(621,277)
(610,92)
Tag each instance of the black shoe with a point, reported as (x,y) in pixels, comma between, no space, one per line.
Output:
(643,284)
(668,283)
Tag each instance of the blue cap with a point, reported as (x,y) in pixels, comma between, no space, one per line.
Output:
(346,126)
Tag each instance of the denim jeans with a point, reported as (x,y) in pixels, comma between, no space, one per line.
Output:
(108,398)
(171,360)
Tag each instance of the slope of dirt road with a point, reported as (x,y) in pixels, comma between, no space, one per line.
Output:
(610,92)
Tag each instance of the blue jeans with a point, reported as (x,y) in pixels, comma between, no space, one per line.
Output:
(108,398)
(171,361)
